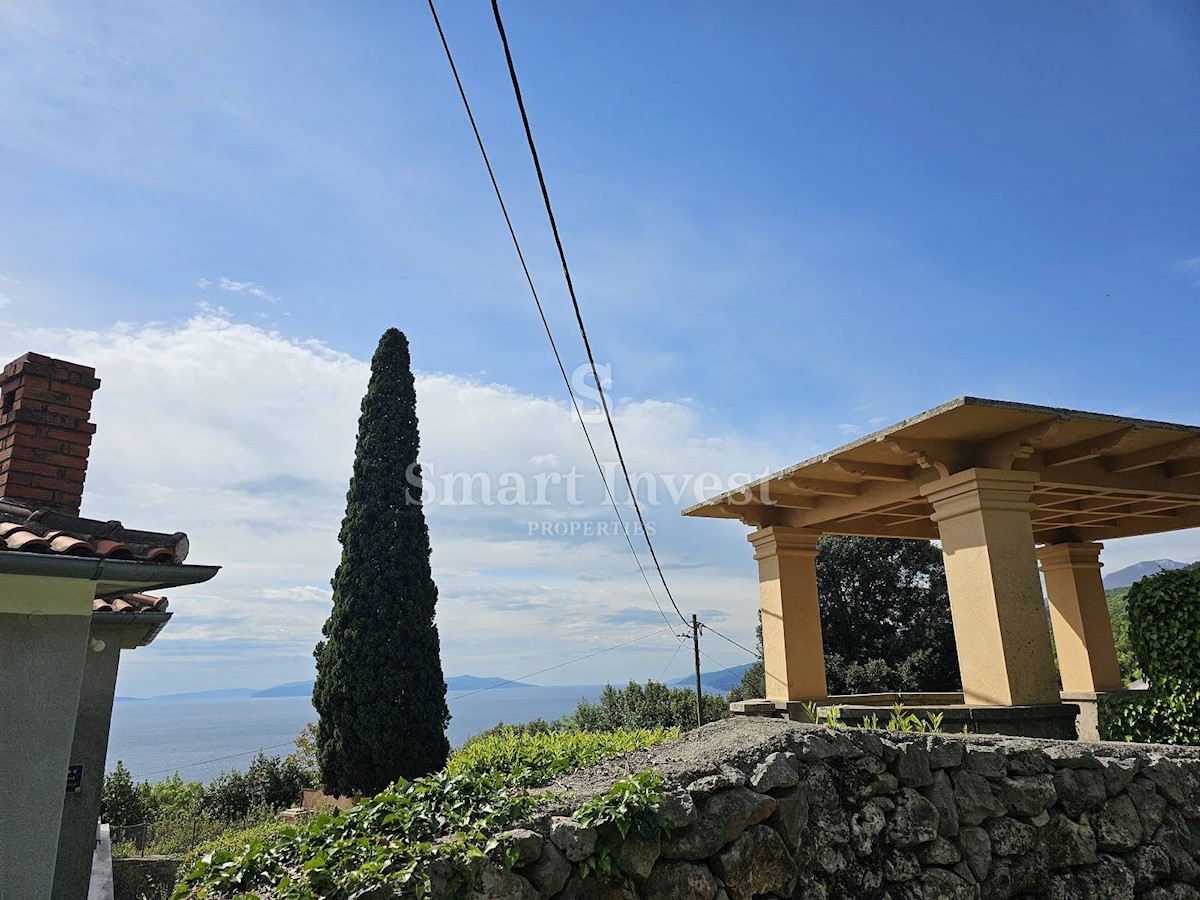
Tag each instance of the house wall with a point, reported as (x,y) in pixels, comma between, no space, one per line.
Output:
(44,628)
(89,749)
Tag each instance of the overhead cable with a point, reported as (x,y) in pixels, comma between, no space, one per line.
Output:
(587,346)
(541,311)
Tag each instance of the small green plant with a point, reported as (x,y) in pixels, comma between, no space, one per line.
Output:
(904,721)
(632,805)
(901,720)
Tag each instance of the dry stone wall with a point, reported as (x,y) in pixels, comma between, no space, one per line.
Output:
(769,809)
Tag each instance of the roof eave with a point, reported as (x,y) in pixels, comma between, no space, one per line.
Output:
(113,577)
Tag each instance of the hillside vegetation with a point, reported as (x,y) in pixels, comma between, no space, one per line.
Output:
(417,835)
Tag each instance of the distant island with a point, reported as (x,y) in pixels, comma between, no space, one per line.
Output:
(305,689)
(719,682)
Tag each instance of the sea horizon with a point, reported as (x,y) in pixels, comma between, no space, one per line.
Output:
(202,737)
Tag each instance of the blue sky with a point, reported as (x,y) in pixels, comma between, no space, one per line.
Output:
(787,222)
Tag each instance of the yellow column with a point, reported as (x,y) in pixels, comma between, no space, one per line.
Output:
(995,594)
(793,654)
(1087,654)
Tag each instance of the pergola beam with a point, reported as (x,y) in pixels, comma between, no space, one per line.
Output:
(873,471)
(1153,456)
(1184,468)
(1089,448)
(822,487)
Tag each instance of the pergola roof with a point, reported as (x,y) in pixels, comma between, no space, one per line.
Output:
(1100,476)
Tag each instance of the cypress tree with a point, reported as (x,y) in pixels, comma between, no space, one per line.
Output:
(379,691)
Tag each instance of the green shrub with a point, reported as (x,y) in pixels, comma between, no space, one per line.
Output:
(536,726)
(171,798)
(1152,717)
(270,783)
(653,705)
(1164,629)
(232,840)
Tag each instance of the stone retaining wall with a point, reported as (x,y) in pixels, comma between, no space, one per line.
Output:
(773,809)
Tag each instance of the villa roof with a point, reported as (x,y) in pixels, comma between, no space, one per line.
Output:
(119,560)
(29,529)
(1100,476)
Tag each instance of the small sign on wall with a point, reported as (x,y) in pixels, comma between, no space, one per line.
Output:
(74,779)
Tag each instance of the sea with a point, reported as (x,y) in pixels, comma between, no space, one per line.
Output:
(202,737)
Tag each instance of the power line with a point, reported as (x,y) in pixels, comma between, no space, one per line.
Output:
(678,647)
(542,313)
(562,256)
(205,762)
(732,641)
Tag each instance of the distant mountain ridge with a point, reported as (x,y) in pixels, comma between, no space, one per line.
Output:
(305,689)
(1125,577)
(719,682)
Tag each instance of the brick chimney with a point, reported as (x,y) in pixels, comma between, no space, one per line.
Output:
(45,434)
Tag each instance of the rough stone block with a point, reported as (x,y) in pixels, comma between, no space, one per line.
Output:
(976,802)
(575,840)
(1117,825)
(1079,790)
(914,820)
(756,863)
(778,770)
(549,873)
(680,881)
(1026,795)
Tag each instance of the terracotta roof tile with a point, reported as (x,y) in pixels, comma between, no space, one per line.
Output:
(131,603)
(27,529)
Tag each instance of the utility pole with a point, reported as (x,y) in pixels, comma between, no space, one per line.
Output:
(696,653)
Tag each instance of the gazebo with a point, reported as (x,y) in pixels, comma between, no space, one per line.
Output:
(1004,487)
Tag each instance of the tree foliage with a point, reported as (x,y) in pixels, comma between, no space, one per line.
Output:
(380,691)
(885,615)
(885,618)
(1118,615)
(270,783)
(121,803)
(648,706)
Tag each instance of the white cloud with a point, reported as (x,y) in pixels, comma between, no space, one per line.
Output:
(1191,268)
(248,288)
(244,439)
(848,428)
